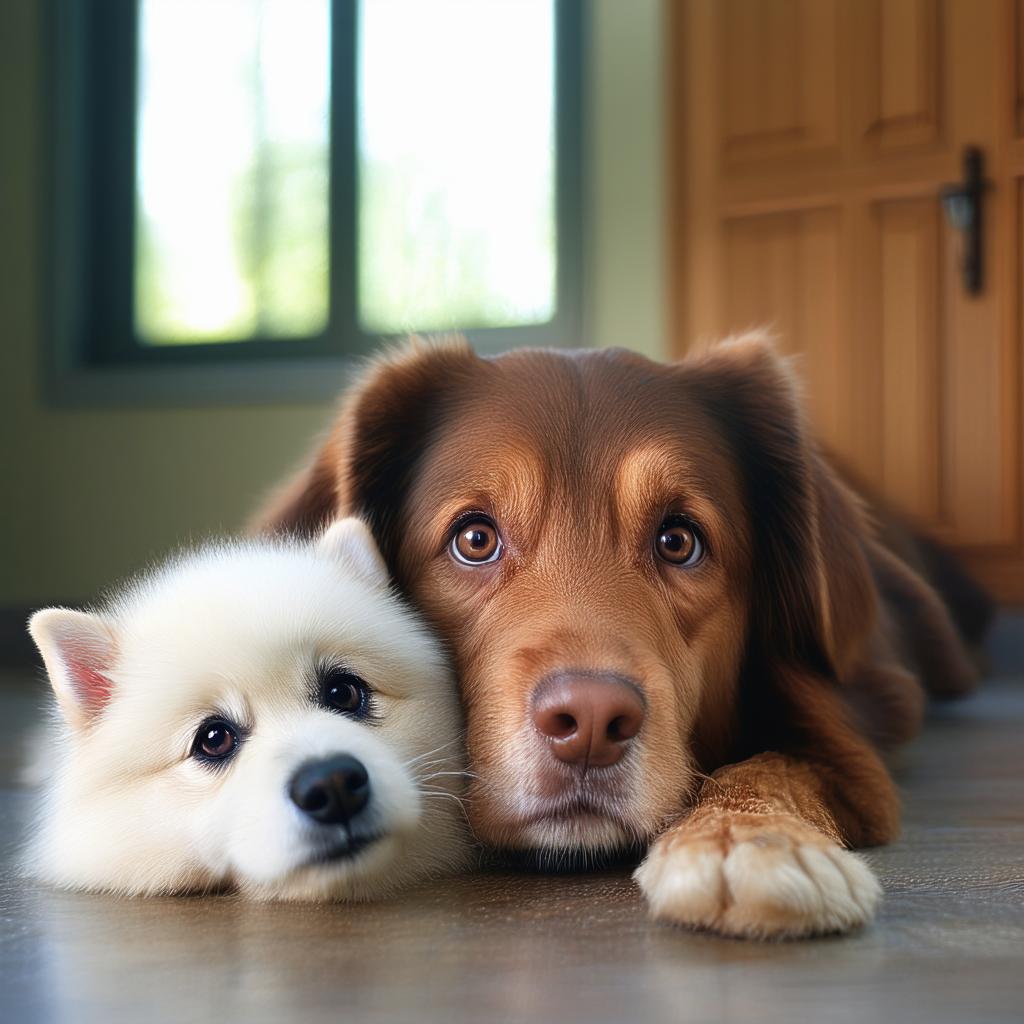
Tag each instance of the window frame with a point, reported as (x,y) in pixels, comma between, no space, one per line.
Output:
(89,206)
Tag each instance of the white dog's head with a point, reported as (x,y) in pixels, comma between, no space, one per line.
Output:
(263,715)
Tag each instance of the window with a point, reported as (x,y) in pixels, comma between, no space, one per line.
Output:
(232,168)
(258,179)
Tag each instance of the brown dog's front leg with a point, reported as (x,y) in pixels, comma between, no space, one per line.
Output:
(761,855)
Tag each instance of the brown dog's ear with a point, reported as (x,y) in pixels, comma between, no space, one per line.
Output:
(814,599)
(365,463)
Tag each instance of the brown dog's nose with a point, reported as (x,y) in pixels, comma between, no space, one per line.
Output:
(588,719)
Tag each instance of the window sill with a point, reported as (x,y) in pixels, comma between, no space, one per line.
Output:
(305,378)
(236,383)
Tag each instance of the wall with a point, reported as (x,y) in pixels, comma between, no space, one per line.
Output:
(92,494)
(626,150)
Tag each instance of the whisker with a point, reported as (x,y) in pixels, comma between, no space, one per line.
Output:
(449,796)
(430,791)
(705,777)
(441,762)
(434,794)
(430,753)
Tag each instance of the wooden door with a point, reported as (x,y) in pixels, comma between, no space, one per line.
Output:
(810,142)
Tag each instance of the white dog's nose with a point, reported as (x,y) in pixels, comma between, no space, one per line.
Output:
(333,791)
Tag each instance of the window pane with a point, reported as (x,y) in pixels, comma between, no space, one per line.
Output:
(456,163)
(232,169)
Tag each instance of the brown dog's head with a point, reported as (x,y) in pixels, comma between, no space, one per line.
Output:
(610,546)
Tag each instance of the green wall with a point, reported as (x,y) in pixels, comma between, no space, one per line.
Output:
(90,494)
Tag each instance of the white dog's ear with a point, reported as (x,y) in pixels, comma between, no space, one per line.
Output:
(79,651)
(350,542)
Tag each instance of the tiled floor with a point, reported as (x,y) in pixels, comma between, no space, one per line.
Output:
(948,945)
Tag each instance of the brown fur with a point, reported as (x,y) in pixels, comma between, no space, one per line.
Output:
(768,666)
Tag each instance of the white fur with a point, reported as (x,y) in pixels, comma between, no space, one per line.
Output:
(236,630)
(766,884)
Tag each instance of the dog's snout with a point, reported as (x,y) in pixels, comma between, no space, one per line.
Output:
(332,791)
(588,719)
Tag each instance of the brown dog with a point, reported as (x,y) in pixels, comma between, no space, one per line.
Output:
(673,622)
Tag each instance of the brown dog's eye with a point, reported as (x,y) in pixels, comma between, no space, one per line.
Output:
(476,542)
(216,740)
(678,542)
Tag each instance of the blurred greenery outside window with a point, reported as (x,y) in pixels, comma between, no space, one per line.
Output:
(309,175)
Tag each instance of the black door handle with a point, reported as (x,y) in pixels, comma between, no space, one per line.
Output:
(963,205)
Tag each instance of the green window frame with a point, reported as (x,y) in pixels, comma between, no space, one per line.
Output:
(90,208)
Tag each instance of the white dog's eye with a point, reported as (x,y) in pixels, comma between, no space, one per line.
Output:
(216,740)
(344,691)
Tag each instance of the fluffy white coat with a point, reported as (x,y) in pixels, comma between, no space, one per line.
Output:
(239,631)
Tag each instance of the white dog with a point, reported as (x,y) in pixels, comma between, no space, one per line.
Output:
(267,716)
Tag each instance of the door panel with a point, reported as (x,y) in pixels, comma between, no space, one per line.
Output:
(782,271)
(899,105)
(811,142)
(778,78)
(909,356)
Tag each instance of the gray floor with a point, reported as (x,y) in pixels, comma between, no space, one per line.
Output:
(948,945)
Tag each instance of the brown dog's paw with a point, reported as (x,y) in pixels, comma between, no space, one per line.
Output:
(757,876)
